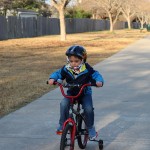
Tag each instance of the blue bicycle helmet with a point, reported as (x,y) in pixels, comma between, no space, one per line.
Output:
(78,51)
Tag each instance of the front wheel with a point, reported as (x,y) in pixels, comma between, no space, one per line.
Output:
(82,136)
(67,143)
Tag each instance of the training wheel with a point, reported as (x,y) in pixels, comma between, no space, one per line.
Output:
(100,143)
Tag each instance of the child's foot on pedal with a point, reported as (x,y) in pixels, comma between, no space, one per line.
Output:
(59,129)
(92,133)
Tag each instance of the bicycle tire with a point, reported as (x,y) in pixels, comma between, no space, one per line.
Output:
(66,142)
(82,137)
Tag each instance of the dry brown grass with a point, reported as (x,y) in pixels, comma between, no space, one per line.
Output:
(25,64)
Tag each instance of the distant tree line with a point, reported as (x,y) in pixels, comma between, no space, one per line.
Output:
(77,13)
(12,5)
(123,10)
(112,10)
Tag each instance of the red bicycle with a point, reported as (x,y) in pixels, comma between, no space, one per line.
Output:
(75,126)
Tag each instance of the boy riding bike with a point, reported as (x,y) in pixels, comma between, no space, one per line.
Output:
(77,71)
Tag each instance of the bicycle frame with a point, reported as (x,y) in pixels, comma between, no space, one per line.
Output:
(71,120)
(71,100)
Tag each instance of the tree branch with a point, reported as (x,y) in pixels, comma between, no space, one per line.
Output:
(55,3)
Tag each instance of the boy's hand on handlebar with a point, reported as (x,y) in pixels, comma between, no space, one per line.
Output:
(99,84)
(51,81)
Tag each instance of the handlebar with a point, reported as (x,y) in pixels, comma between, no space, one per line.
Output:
(72,85)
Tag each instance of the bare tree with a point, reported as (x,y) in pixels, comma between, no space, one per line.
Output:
(147,18)
(91,6)
(128,10)
(5,5)
(112,8)
(60,5)
(142,12)
(142,18)
(88,6)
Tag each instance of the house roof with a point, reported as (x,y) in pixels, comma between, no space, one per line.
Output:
(26,11)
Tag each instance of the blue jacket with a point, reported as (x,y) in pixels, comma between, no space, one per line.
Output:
(87,74)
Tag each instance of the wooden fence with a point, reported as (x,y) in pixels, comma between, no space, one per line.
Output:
(16,27)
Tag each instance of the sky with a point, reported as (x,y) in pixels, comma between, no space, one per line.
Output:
(48,1)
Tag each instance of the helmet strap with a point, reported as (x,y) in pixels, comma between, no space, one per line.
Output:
(68,60)
(75,68)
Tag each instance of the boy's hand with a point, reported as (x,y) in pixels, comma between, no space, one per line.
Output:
(51,81)
(99,84)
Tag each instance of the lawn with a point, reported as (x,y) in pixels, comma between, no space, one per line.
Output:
(25,64)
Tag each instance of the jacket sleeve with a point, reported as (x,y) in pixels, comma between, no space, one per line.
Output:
(97,77)
(56,75)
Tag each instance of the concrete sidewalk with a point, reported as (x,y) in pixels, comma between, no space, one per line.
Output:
(122,108)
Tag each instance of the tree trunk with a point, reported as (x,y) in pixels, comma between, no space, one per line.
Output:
(129,23)
(62,25)
(5,12)
(93,16)
(142,24)
(111,23)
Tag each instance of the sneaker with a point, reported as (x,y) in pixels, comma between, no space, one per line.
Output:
(59,130)
(92,133)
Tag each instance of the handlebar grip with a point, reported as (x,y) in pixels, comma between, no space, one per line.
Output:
(53,83)
(93,82)
(60,81)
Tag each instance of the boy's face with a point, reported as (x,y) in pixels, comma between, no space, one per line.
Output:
(74,61)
